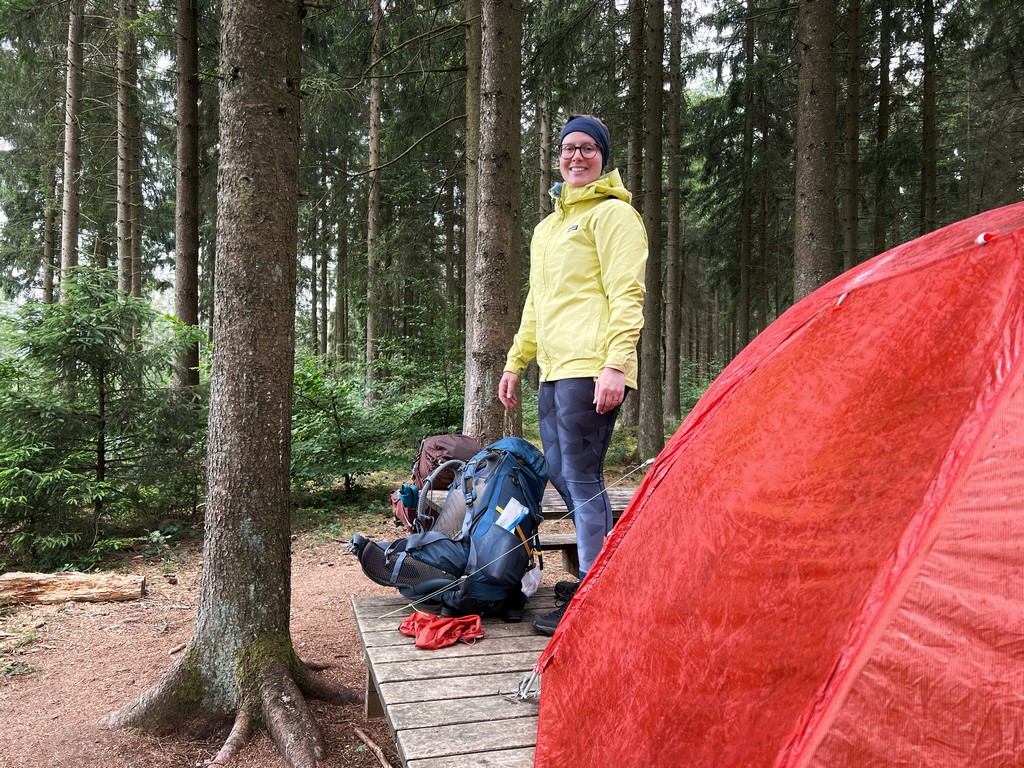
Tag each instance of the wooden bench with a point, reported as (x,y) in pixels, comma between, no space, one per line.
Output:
(553,508)
(452,707)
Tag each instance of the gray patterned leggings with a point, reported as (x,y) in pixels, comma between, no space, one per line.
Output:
(575,439)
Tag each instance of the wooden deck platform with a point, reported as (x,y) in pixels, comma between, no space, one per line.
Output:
(450,708)
(553,508)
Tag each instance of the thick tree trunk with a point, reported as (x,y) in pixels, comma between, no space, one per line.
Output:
(240,662)
(186,204)
(815,213)
(497,268)
(651,435)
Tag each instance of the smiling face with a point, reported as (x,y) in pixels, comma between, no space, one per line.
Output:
(579,170)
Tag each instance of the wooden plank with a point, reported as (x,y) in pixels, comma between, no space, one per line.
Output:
(460,653)
(492,632)
(383,629)
(552,506)
(467,738)
(435,668)
(557,541)
(507,758)
(467,686)
(389,635)
(456,711)
(372,705)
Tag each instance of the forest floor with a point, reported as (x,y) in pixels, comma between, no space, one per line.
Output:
(62,667)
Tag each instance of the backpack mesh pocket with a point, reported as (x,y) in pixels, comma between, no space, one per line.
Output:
(381,569)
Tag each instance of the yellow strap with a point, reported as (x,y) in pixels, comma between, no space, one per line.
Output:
(526,543)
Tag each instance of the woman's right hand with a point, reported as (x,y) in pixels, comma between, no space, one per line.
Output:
(507,389)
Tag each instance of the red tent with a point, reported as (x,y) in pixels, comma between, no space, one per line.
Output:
(825,566)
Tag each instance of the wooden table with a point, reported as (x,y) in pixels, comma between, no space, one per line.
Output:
(452,707)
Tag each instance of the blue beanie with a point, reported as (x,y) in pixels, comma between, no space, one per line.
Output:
(594,130)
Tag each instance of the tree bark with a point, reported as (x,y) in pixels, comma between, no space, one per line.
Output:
(814,216)
(325,257)
(929,137)
(747,192)
(473,65)
(49,239)
(240,662)
(373,277)
(72,138)
(544,201)
(186,204)
(451,270)
(651,435)
(314,271)
(497,268)
(851,208)
(339,334)
(126,68)
(673,245)
(56,588)
(630,413)
(882,129)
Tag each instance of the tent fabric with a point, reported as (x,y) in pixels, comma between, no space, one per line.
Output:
(825,565)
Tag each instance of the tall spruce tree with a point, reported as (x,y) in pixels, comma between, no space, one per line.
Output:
(240,662)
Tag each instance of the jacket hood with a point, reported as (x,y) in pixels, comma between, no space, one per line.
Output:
(608,185)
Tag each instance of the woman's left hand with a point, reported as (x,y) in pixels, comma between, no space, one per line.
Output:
(609,390)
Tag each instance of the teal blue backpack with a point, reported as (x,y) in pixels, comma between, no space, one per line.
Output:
(479,568)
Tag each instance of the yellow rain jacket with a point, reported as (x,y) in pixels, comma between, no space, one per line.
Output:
(584,310)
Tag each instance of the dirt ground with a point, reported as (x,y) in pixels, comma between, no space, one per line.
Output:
(65,666)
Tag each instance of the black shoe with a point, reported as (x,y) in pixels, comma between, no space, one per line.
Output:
(511,610)
(564,590)
(547,623)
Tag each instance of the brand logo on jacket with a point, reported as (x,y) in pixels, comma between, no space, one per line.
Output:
(573,228)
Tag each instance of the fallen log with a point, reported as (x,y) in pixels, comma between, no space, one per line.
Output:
(19,587)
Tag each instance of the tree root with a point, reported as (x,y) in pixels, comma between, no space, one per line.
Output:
(288,718)
(316,687)
(316,666)
(241,734)
(278,701)
(160,705)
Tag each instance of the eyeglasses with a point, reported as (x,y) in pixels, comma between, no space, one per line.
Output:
(587,150)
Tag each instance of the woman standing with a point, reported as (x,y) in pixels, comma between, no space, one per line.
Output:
(582,321)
